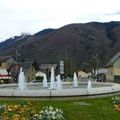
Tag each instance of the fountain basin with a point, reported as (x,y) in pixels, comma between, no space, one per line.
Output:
(10,90)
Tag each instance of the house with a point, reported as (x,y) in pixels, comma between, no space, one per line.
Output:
(6,61)
(113,69)
(82,74)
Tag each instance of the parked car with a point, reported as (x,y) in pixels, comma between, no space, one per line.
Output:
(101,77)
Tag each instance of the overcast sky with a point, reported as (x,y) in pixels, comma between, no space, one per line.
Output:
(31,16)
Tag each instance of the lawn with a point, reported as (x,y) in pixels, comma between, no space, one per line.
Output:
(82,109)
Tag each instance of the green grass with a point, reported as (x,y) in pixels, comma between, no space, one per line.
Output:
(99,108)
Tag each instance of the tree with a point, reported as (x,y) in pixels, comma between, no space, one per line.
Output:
(36,65)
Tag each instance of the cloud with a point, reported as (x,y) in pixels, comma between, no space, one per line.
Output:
(18,16)
(117,13)
(113,13)
(113,16)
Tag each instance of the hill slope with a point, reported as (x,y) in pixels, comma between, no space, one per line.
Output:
(80,45)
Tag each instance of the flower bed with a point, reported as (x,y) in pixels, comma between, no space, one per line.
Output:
(27,112)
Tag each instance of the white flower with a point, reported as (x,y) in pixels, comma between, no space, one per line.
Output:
(57,110)
(51,108)
(53,113)
(53,117)
(50,113)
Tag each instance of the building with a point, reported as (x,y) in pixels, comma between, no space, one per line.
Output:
(82,74)
(6,61)
(113,69)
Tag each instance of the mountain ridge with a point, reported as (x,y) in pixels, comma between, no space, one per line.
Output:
(78,44)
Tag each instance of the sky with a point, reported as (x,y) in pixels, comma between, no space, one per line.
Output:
(31,16)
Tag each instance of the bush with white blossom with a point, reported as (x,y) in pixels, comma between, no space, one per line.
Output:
(116,103)
(50,113)
(116,100)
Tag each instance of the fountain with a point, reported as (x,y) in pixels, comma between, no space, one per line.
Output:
(60,89)
(45,81)
(21,80)
(59,83)
(89,84)
(52,79)
(75,84)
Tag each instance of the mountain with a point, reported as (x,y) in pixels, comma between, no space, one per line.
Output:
(43,32)
(9,42)
(13,40)
(79,45)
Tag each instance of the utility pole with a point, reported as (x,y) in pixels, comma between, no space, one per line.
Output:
(16,54)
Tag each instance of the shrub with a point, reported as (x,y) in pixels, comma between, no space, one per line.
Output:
(50,113)
(116,103)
